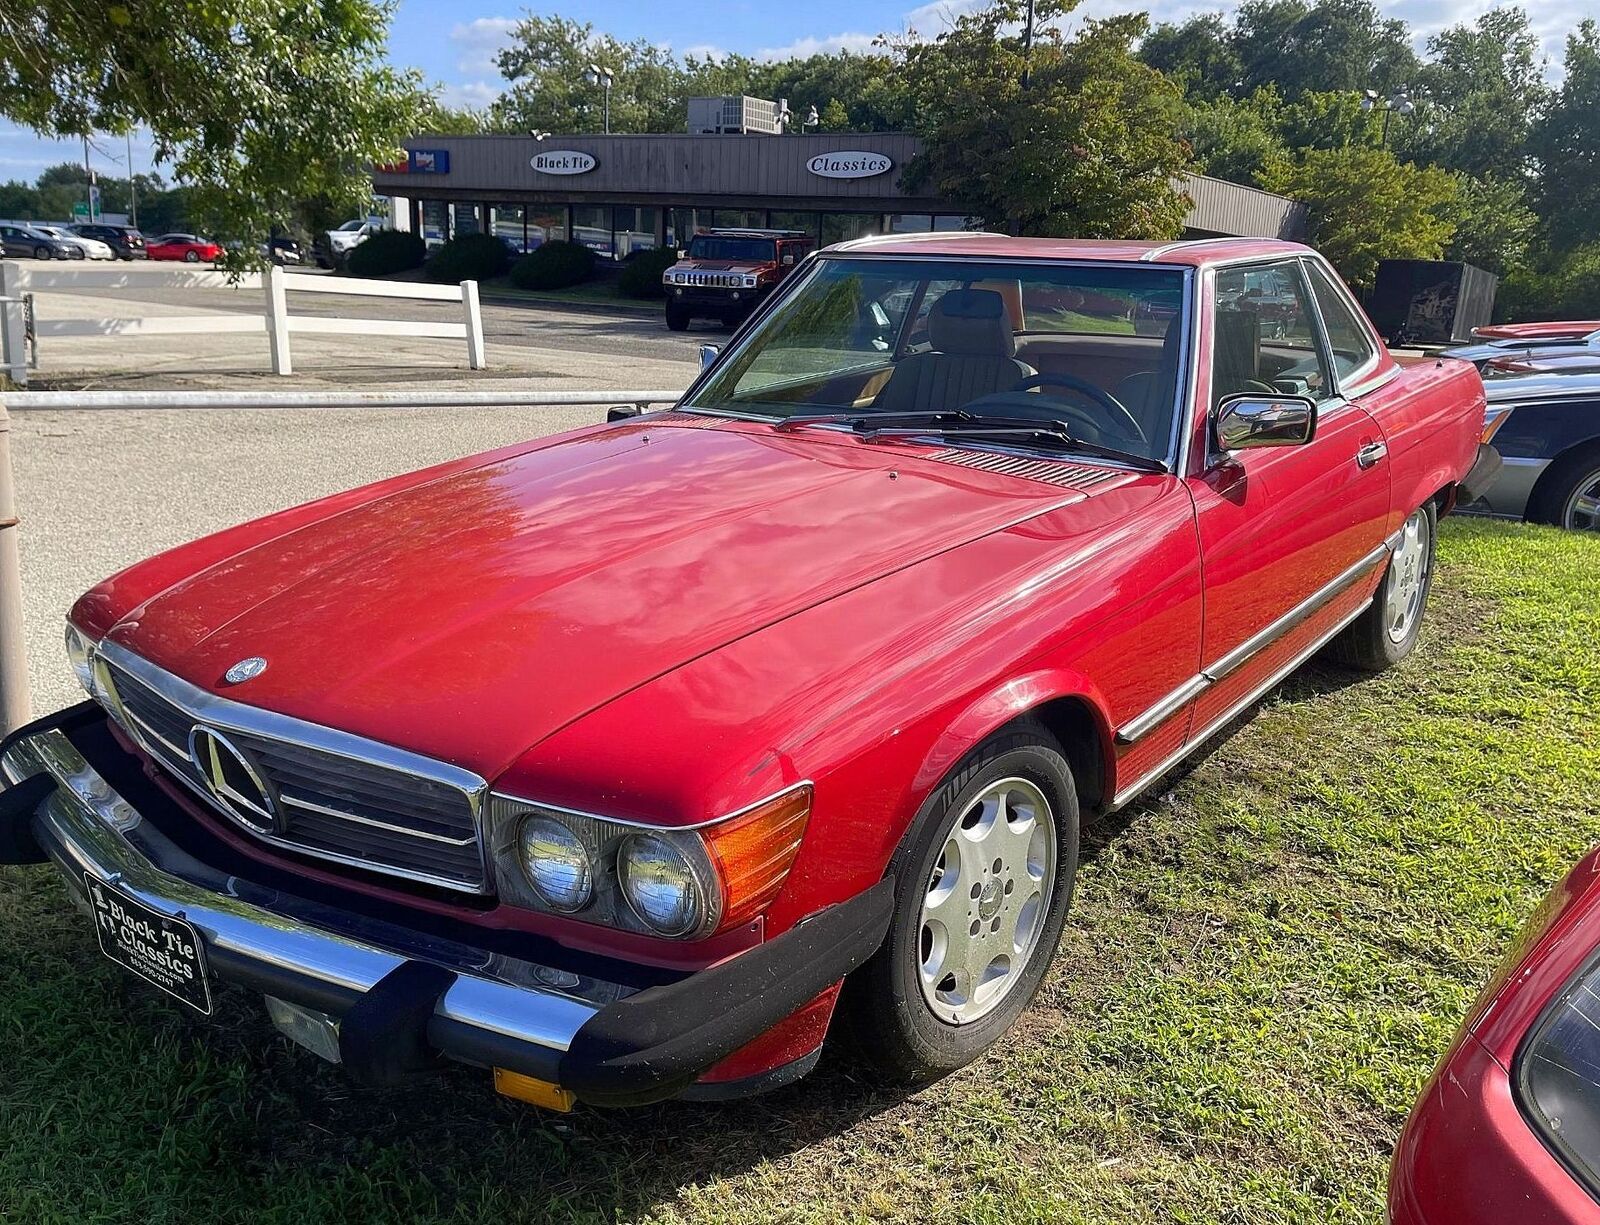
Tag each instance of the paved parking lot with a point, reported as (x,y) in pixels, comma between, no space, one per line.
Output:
(528,346)
(101,489)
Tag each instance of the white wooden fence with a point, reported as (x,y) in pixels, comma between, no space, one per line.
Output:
(19,280)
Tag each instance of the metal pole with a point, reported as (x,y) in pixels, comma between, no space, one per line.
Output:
(88,179)
(15,707)
(133,190)
(1027,48)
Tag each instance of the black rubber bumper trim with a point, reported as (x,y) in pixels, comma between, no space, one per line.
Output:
(1485,470)
(652,1045)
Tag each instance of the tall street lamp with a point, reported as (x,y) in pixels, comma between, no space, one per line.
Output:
(1398,102)
(601,76)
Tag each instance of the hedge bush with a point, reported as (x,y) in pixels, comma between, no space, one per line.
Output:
(641,275)
(387,252)
(554,265)
(471,257)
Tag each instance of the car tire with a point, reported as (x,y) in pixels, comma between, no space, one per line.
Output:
(41,253)
(1387,631)
(191,257)
(677,318)
(1556,498)
(911,1022)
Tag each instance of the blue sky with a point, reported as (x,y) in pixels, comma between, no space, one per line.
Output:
(453,43)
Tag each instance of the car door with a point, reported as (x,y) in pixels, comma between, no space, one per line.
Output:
(11,240)
(1292,537)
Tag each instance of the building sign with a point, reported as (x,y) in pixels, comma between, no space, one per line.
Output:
(849,164)
(563,161)
(428,161)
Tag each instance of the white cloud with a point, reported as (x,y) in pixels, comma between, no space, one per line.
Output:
(703,51)
(475,94)
(800,48)
(479,41)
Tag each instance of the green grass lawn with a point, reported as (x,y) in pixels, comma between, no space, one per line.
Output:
(1264,960)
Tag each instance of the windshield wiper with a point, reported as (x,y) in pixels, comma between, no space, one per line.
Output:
(858,420)
(1051,433)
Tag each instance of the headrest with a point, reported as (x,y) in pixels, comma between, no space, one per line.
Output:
(971,322)
(1238,342)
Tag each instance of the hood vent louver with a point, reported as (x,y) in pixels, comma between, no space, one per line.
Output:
(1050,471)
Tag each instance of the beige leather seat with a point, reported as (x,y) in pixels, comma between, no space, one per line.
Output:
(973,355)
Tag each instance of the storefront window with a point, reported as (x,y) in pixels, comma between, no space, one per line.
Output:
(740,218)
(635,229)
(546,225)
(465,217)
(435,222)
(684,222)
(910,223)
(591,226)
(841,227)
(508,223)
(811,223)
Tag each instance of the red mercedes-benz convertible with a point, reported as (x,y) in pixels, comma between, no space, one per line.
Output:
(619,761)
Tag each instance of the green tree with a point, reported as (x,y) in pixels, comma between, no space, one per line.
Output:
(1199,53)
(1494,226)
(1478,97)
(1328,45)
(1363,205)
(1236,139)
(547,64)
(1567,143)
(252,104)
(1089,148)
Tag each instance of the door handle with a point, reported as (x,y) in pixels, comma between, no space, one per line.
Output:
(1371,454)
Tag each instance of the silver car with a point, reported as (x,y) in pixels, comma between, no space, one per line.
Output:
(1526,348)
(1546,427)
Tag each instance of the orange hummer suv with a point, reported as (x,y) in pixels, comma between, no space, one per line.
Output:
(725,274)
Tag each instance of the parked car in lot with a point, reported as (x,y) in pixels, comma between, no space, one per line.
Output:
(93,248)
(614,760)
(1508,1126)
(281,249)
(124,240)
(1546,428)
(333,247)
(190,248)
(1569,329)
(1541,342)
(30,242)
(726,274)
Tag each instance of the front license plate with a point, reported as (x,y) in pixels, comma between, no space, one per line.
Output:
(165,952)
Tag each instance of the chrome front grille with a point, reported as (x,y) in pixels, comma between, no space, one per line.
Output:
(336,796)
(711,280)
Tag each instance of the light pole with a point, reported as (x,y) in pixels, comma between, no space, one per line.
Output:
(601,76)
(1399,101)
(133,188)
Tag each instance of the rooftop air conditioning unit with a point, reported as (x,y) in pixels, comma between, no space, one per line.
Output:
(738,116)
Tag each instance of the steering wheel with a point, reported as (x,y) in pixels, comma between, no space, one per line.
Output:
(1084,387)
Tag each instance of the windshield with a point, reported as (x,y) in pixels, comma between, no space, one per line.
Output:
(1094,348)
(735,250)
(352,225)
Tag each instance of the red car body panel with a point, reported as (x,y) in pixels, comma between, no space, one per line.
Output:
(207,252)
(1467,1155)
(1577,329)
(745,609)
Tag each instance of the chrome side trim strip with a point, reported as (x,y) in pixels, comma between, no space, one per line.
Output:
(84,840)
(595,816)
(1147,721)
(1133,790)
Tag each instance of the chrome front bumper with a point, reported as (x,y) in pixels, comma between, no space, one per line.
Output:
(495,1010)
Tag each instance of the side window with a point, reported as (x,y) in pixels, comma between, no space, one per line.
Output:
(1352,347)
(1264,337)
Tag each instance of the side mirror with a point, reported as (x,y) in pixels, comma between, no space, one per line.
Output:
(708,354)
(1252,420)
(788,259)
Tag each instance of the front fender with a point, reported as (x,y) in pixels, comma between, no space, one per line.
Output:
(1017,696)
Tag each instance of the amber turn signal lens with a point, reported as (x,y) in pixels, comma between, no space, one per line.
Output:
(754,851)
(529,1089)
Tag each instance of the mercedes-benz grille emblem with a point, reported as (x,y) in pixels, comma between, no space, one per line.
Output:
(234,783)
(245,670)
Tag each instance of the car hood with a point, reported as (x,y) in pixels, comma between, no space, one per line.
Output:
(471,615)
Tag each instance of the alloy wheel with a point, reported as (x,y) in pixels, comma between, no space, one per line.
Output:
(986,900)
(1582,511)
(1408,577)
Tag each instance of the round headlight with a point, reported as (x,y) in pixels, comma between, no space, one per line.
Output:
(660,884)
(79,650)
(557,864)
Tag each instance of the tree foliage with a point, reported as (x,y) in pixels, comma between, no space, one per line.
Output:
(1363,205)
(253,104)
(1567,142)
(1087,148)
